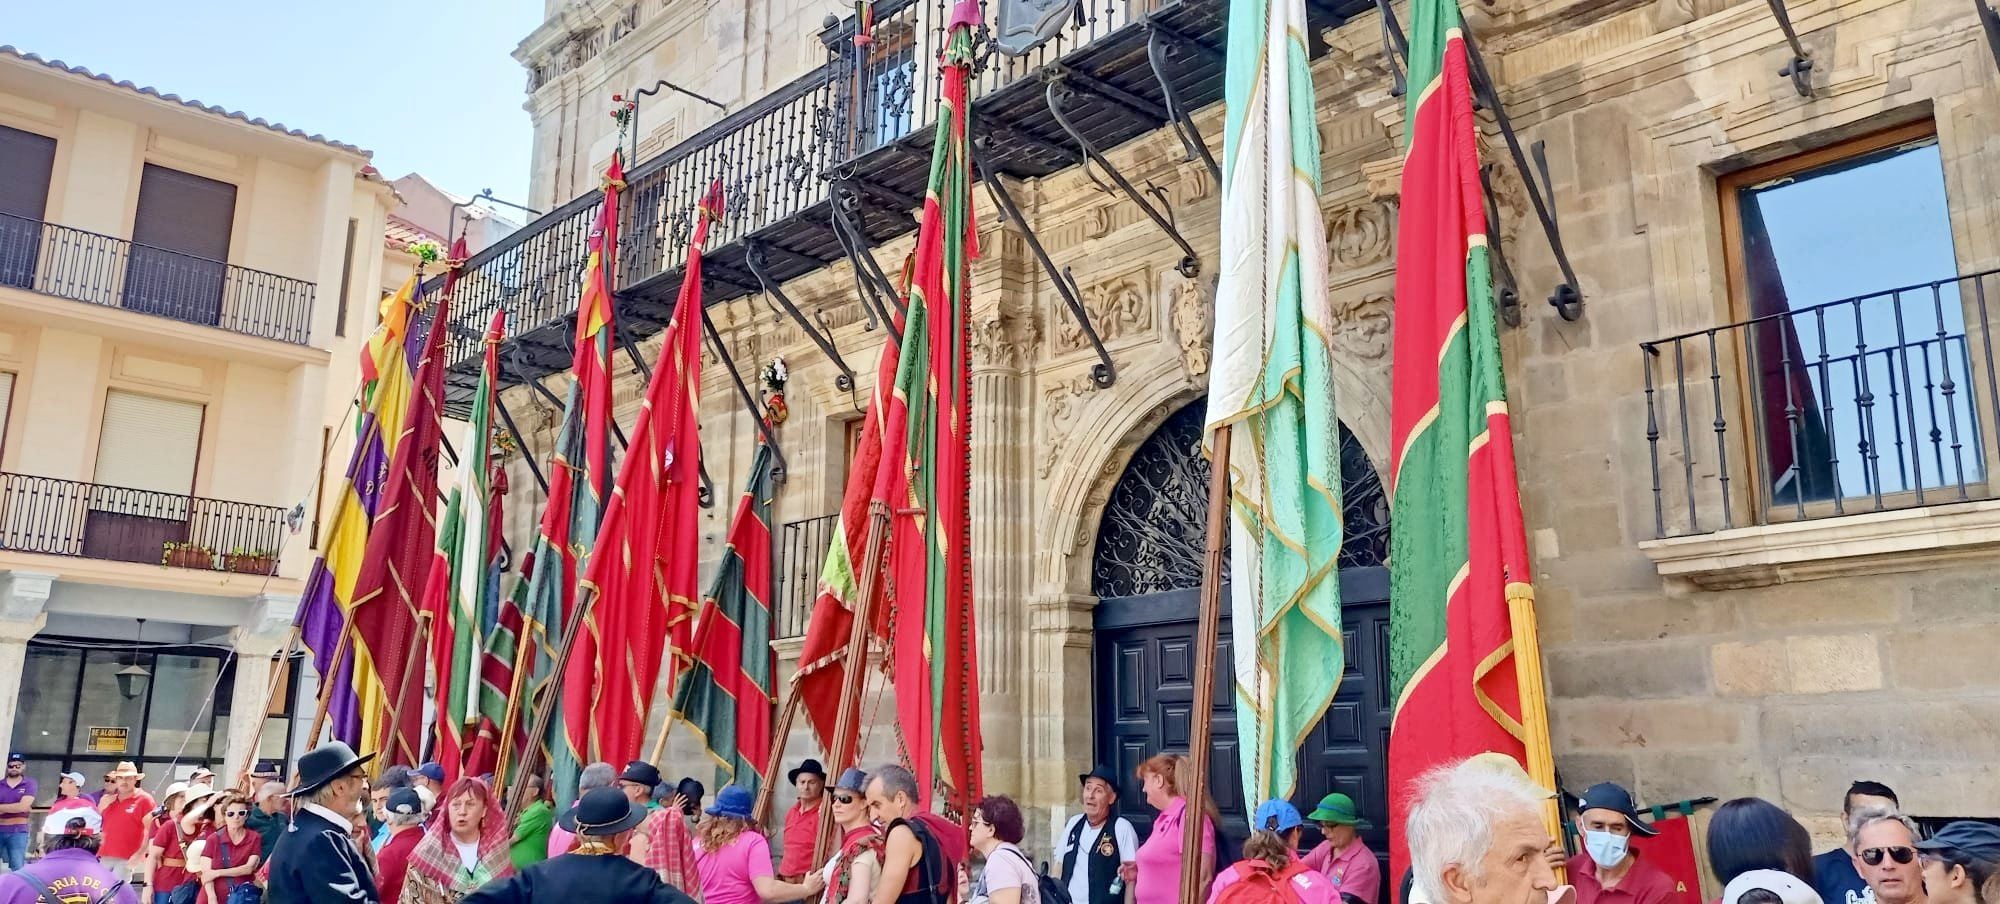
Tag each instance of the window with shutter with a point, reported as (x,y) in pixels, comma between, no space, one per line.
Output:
(27,159)
(180,245)
(6,404)
(146,456)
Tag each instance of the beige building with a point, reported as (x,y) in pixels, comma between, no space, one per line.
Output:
(1757,476)
(183,289)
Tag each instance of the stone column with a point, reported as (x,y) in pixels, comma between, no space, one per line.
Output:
(23,597)
(1060,731)
(265,631)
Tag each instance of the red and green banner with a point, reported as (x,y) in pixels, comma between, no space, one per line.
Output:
(644,567)
(916,464)
(401,547)
(725,694)
(1458,556)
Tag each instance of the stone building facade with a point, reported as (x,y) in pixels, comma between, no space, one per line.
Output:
(1806,641)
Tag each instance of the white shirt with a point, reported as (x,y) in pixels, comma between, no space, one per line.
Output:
(1127,839)
(468,853)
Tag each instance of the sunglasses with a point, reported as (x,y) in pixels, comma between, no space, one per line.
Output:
(1873,856)
(235,813)
(844,798)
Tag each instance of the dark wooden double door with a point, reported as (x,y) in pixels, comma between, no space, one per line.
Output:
(1145,654)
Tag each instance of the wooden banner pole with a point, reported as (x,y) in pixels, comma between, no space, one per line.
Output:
(586,599)
(1208,636)
(846,750)
(761,813)
(419,649)
(340,653)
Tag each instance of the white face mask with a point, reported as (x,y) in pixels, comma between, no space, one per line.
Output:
(1605,849)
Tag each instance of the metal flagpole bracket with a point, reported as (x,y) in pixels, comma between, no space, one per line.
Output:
(749,401)
(755,257)
(1990,18)
(1064,83)
(878,290)
(1799,70)
(1163,43)
(1105,372)
(1395,47)
(1506,292)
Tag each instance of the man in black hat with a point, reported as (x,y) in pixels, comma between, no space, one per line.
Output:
(593,873)
(802,821)
(316,861)
(1096,843)
(1609,871)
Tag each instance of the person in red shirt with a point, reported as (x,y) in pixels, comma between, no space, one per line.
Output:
(406,824)
(1609,871)
(802,821)
(168,868)
(230,854)
(124,809)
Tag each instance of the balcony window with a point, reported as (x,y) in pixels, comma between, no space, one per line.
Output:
(27,160)
(140,508)
(180,246)
(6,405)
(1855,396)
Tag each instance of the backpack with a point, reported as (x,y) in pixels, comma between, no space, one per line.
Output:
(1048,890)
(1258,883)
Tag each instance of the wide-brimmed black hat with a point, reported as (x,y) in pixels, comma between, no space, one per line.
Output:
(692,790)
(602,812)
(325,763)
(640,772)
(1102,773)
(1609,796)
(809,767)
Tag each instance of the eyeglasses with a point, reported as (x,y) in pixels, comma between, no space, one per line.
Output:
(981,821)
(844,798)
(1873,856)
(235,813)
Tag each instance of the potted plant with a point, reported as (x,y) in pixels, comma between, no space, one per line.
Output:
(774,376)
(251,561)
(187,555)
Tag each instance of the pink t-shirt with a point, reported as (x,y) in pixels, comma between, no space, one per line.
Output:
(729,876)
(1312,886)
(1160,857)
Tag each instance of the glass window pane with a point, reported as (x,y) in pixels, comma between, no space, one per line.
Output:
(1863,381)
(48,700)
(183,708)
(103,706)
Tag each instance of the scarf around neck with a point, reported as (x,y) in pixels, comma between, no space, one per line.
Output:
(436,856)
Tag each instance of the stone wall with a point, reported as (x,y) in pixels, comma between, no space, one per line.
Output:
(1788,690)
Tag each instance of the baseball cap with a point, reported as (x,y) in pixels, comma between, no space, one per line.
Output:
(404,802)
(1789,888)
(1276,816)
(1613,797)
(432,771)
(58,823)
(1976,840)
(13,758)
(76,777)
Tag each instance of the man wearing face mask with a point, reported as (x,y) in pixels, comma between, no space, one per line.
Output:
(1609,871)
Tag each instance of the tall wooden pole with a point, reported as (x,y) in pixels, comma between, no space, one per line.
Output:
(761,812)
(847,722)
(326,681)
(419,649)
(1208,635)
(586,597)
(666,729)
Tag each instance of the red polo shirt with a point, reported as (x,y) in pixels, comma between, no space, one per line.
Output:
(1642,884)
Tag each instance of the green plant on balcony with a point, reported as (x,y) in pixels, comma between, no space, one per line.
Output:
(187,555)
(251,561)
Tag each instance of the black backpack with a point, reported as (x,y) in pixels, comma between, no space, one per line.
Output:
(1048,890)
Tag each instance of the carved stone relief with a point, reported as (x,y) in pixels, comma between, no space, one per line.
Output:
(1062,407)
(1119,307)
(1362,324)
(1361,236)
(1191,311)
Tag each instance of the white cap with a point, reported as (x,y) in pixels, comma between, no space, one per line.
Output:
(1789,888)
(173,789)
(57,823)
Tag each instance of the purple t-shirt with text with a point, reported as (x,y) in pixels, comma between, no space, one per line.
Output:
(15,823)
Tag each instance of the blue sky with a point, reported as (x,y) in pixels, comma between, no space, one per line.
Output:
(429,86)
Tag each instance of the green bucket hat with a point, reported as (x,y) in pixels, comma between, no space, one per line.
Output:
(1339,809)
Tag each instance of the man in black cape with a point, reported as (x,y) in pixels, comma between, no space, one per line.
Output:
(593,873)
(316,861)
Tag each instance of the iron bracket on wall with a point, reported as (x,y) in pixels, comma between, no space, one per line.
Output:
(1799,70)
(1395,48)
(520,441)
(1105,372)
(1990,18)
(1064,83)
(755,258)
(878,291)
(1161,43)
(1506,292)
(750,402)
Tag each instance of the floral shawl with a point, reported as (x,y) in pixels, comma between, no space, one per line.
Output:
(856,844)
(436,874)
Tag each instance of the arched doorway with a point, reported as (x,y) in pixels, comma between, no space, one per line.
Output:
(1146,572)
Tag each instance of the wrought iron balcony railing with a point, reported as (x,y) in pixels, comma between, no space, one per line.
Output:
(92,521)
(802,553)
(1876,402)
(84,266)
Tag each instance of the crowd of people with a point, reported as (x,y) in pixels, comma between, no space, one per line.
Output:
(1476,829)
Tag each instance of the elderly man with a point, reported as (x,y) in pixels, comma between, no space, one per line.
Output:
(915,869)
(1096,843)
(1609,871)
(316,861)
(802,821)
(270,816)
(1477,837)
(1885,848)
(405,823)
(1835,876)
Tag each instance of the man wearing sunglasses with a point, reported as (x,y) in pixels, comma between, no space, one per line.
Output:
(1835,874)
(1885,850)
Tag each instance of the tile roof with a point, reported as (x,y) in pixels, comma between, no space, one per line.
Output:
(9,50)
(399,234)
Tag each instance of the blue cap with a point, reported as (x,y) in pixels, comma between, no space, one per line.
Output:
(16,758)
(1276,816)
(734,800)
(432,771)
(405,802)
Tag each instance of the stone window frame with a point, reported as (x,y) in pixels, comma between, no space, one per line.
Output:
(1681,208)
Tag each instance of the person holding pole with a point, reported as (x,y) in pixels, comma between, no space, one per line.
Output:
(802,820)
(317,861)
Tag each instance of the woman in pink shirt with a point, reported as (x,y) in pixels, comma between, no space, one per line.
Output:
(733,859)
(1156,876)
(1271,858)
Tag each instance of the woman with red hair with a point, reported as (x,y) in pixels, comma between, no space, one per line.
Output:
(1156,877)
(466,849)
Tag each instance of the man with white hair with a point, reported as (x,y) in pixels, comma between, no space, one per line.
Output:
(271,814)
(1477,836)
(1885,850)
